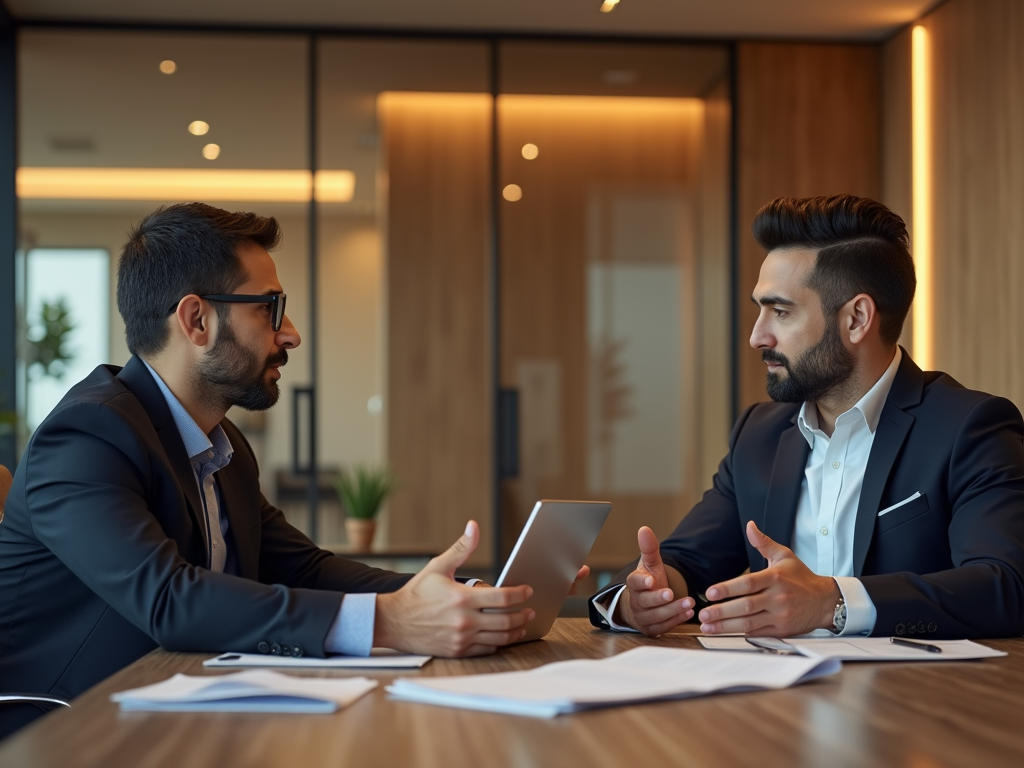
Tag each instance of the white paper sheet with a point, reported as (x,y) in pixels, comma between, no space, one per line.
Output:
(251,691)
(379,658)
(642,674)
(863,648)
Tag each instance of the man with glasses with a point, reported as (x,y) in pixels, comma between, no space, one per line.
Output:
(136,518)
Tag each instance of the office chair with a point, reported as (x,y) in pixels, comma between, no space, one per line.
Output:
(43,701)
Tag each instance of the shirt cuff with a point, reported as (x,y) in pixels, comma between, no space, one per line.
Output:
(861,613)
(606,607)
(352,630)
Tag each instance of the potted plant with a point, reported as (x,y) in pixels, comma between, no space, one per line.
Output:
(363,491)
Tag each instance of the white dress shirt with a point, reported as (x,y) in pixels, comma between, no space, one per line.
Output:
(826,515)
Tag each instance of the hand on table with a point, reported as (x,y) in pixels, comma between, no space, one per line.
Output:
(649,603)
(784,600)
(434,614)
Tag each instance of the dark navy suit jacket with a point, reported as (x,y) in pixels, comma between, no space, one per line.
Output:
(949,564)
(103,553)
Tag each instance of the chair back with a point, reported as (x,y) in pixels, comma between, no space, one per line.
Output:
(5,486)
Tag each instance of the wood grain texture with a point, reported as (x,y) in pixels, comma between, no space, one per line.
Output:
(978,146)
(808,125)
(945,714)
(438,386)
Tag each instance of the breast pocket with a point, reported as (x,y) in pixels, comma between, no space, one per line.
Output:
(902,514)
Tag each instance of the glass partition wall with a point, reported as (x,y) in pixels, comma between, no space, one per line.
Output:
(466,224)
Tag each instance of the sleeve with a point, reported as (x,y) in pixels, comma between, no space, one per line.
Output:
(982,595)
(100,491)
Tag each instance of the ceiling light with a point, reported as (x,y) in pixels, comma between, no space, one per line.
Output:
(167,184)
(168,67)
(530,151)
(608,6)
(512,193)
(198,127)
(211,151)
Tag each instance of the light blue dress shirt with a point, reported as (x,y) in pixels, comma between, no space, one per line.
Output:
(352,630)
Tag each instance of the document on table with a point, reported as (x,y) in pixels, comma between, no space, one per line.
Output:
(638,675)
(864,648)
(256,690)
(379,658)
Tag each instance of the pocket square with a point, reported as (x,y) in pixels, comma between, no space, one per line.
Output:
(900,504)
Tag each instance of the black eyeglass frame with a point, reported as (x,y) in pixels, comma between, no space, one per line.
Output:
(275,300)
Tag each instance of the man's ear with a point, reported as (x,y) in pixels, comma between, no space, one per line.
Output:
(859,317)
(194,320)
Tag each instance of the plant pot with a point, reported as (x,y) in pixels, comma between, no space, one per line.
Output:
(360,532)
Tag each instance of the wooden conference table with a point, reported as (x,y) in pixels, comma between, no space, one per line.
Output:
(923,715)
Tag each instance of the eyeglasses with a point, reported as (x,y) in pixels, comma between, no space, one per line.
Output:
(275,300)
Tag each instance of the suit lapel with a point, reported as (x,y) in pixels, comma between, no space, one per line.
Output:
(893,428)
(784,489)
(137,378)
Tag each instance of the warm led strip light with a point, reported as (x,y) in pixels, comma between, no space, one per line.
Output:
(165,184)
(922,159)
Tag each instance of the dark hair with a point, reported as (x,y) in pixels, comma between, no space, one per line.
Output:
(862,247)
(178,250)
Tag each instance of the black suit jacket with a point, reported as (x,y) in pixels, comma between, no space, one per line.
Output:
(103,553)
(949,564)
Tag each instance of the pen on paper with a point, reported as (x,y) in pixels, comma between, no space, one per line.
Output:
(915,644)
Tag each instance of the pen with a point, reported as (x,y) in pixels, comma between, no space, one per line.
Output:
(915,644)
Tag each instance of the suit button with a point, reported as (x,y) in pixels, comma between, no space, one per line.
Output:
(921,629)
(296,651)
(932,626)
(263,647)
(275,649)
(286,650)
(901,629)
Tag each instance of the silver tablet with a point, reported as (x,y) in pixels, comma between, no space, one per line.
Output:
(551,549)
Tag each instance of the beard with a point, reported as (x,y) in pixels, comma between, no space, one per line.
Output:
(819,372)
(229,374)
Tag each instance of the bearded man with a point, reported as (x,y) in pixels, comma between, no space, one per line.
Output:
(136,518)
(871,497)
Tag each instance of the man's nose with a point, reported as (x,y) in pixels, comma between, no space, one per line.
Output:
(288,337)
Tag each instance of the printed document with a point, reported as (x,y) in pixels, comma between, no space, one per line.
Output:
(864,648)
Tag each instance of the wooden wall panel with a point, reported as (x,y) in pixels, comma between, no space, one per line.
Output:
(808,125)
(438,400)
(978,154)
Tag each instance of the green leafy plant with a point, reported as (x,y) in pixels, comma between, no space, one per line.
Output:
(363,490)
(48,339)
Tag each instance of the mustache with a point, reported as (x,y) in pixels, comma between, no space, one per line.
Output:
(771,356)
(281,358)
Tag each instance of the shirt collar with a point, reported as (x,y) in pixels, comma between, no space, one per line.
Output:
(870,405)
(196,441)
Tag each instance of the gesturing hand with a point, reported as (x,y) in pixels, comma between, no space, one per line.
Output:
(436,615)
(783,600)
(648,603)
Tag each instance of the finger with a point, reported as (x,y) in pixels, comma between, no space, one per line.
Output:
(457,554)
(731,609)
(502,622)
(663,627)
(651,598)
(478,649)
(660,620)
(500,638)
(650,554)
(747,584)
(770,549)
(639,581)
(583,573)
(498,597)
(758,623)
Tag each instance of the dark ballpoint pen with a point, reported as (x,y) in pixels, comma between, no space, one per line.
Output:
(915,644)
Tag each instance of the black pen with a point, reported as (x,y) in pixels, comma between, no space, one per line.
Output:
(915,644)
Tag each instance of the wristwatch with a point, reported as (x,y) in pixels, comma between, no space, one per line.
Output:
(839,616)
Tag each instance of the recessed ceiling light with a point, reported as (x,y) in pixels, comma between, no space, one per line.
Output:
(198,127)
(608,6)
(211,151)
(512,193)
(530,151)
(168,67)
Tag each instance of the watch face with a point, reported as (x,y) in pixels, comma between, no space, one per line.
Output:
(839,618)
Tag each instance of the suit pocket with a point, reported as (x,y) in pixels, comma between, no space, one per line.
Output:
(903,514)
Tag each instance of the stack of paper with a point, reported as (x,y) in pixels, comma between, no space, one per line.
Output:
(642,674)
(252,691)
(865,648)
(379,658)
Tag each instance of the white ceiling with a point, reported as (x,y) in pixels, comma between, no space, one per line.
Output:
(822,19)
